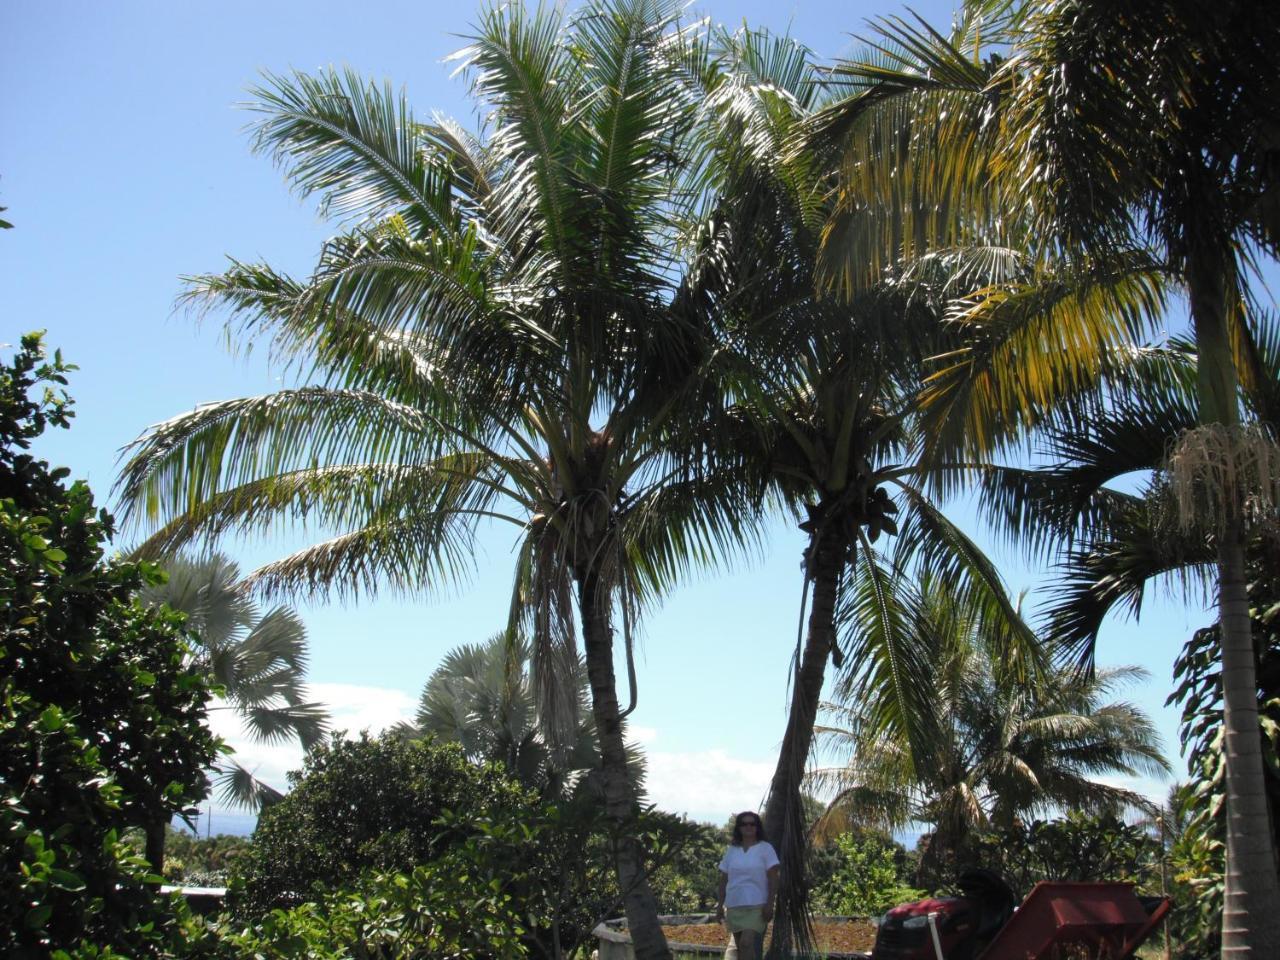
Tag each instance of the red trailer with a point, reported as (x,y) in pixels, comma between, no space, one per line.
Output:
(1057,921)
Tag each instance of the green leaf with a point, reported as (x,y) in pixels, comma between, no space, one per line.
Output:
(66,880)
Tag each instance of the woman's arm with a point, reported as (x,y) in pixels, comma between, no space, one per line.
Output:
(772,877)
(724,884)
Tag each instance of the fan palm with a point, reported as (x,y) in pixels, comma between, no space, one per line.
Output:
(516,328)
(259,659)
(1152,128)
(482,697)
(1000,745)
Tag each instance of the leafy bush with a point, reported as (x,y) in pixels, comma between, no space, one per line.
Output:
(1075,847)
(460,906)
(361,806)
(685,876)
(101,717)
(389,806)
(868,874)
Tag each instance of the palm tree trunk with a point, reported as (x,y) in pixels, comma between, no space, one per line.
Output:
(783,812)
(1251,898)
(639,903)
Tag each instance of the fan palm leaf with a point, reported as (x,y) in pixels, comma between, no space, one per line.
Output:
(258,659)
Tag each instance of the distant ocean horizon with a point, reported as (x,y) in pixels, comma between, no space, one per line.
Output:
(215,823)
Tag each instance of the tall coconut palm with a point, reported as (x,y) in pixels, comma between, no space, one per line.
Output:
(1000,745)
(830,432)
(515,327)
(1162,127)
(1111,544)
(259,659)
(1150,127)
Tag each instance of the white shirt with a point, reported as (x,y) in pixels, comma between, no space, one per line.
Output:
(747,870)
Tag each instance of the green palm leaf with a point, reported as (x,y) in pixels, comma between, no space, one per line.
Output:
(354,144)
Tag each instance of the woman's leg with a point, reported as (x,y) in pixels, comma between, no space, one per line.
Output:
(747,945)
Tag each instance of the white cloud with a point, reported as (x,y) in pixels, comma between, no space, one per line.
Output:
(641,734)
(351,708)
(706,785)
(354,708)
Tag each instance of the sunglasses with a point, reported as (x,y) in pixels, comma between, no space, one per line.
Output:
(748,823)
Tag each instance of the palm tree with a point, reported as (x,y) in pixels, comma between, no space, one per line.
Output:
(1118,542)
(1110,131)
(1111,542)
(999,746)
(829,434)
(518,327)
(482,697)
(259,659)
(1190,170)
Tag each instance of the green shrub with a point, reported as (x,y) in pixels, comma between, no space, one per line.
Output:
(362,806)
(460,906)
(1075,847)
(686,855)
(867,875)
(101,717)
(389,806)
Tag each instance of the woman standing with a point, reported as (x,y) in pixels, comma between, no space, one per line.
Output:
(748,884)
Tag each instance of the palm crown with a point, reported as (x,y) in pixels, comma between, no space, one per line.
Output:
(998,743)
(258,659)
(522,326)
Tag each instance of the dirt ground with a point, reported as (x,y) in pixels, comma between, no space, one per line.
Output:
(854,936)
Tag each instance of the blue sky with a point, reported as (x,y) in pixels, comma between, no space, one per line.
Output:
(124,166)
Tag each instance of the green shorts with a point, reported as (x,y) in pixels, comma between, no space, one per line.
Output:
(745,918)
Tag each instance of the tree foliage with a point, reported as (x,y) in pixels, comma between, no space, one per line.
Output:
(1199,849)
(458,906)
(482,697)
(390,805)
(101,712)
(1000,744)
(258,659)
(868,873)
(364,805)
(1075,847)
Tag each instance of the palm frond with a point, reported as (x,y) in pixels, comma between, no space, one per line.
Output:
(889,666)
(519,64)
(308,723)
(413,555)
(945,554)
(1030,346)
(355,144)
(237,787)
(186,461)
(1102,576)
